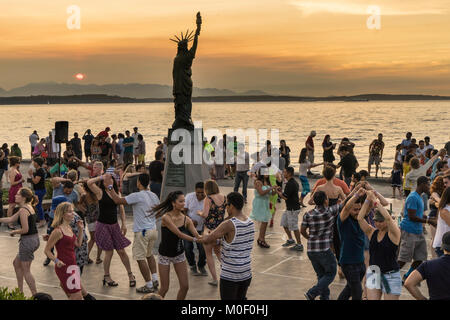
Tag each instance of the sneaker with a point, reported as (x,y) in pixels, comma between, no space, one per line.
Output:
(214,283)
(46,262)
(297,247)
(288,243)
(194,271)
(155,285)
(145,289)
(203,272)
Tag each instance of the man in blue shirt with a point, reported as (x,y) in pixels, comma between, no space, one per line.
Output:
(352,237)
(412,244)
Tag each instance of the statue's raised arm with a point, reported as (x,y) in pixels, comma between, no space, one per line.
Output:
(193,49)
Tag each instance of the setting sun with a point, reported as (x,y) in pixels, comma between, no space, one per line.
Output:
(79,76)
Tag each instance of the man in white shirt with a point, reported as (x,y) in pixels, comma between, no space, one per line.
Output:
(405,144)
(144,228)
(193,203)
(135,144)
(427,144)
(421,150)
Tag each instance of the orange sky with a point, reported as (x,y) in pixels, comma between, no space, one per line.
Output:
(298,47)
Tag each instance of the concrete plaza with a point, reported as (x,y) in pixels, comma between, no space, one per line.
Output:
(278,273)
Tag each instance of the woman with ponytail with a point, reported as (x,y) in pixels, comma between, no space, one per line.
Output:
(171,249)
(29,237)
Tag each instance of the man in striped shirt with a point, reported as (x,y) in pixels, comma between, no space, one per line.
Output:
(320,222)
(238,234)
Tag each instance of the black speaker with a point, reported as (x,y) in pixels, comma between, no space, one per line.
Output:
(61,131)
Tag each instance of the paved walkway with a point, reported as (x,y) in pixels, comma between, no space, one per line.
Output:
(278,273)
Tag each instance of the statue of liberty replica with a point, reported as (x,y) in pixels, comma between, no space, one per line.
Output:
(182,72)
(185,174)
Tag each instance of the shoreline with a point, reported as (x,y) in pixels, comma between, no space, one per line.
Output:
(107,99)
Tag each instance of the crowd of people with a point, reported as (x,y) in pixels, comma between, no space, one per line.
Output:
(349,231)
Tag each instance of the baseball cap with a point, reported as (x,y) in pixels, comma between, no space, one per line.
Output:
(446,241)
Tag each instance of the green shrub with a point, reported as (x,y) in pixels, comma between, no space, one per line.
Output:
(14,294)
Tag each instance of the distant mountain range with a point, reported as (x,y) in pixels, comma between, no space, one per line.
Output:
(103,98)
(131,90)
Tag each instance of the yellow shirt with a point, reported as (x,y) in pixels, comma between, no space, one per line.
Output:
(406,169)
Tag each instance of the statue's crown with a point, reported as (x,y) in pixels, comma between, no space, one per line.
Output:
(185,38)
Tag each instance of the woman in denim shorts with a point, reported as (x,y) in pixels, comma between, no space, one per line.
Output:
(383,274)
(171,250)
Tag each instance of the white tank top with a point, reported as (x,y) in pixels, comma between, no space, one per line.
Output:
(441,229)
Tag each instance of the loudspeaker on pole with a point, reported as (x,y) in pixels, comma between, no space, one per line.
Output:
(61,131)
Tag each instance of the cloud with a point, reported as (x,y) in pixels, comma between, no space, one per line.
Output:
(360,7)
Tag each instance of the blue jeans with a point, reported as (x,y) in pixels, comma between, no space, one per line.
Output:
(40,194)
(241,176)
(189,251)
(155,187)
(354,273)
(325,265)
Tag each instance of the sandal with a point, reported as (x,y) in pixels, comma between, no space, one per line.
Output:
(98,261)
(132,282)
(263,244)
(111,283)
(90,261)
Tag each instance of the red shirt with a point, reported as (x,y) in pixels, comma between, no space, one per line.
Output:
(103,134)
(336,182)
(309,141)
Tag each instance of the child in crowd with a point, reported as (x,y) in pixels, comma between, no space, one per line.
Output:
(396,178)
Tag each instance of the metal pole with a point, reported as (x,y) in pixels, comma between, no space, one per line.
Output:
(59,160)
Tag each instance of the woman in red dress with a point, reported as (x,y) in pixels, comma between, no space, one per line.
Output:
(16,179)
(65,241)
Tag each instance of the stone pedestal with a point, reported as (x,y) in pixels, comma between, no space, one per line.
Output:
(187,147)
(182,176)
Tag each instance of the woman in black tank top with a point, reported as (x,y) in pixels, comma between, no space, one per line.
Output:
(171,249)
(384,242)
(29,237)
